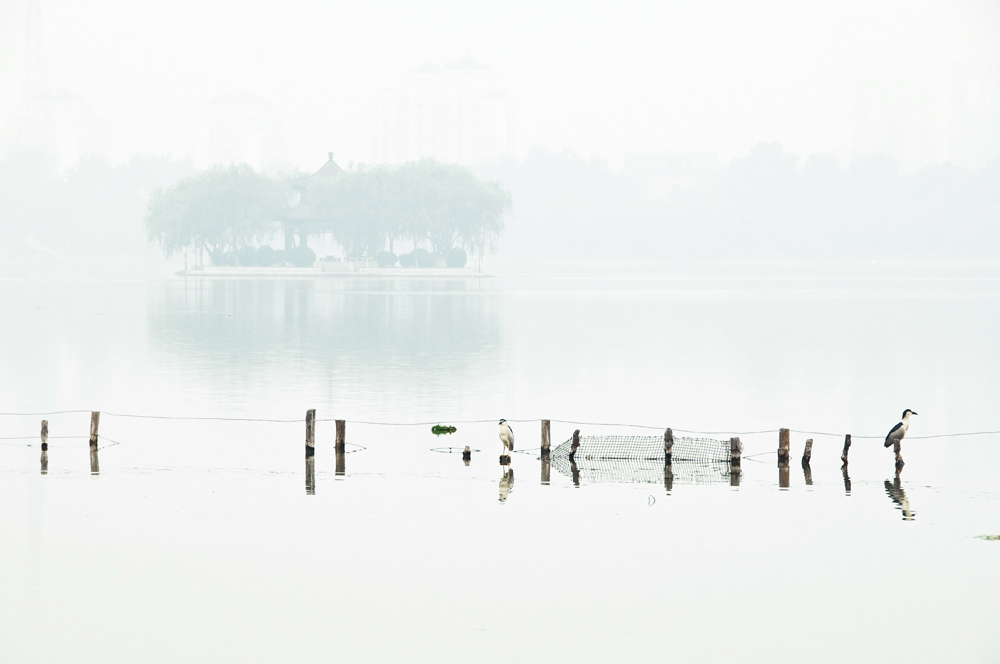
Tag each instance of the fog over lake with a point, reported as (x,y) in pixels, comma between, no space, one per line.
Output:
(458,332)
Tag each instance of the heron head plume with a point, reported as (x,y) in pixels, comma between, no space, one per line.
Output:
(502,421)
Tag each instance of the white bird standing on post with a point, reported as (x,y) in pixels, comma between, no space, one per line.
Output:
(506,437)
(897,433)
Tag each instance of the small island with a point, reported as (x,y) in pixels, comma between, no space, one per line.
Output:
(225,220)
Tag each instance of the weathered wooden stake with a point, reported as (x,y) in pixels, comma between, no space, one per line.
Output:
(45,447)
(546,438)
(95,420)
(467,455)
(575,445)
(668,446)
(735,452)
(784,444)
(310,433)
(341,435)
(808,453)
(847,448)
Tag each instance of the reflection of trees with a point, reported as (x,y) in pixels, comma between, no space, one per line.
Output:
(895,492)
(369,331)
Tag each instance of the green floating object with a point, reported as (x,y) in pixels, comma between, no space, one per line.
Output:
(988,537)
(439,429)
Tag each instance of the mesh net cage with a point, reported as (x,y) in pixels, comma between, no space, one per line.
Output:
(640,460)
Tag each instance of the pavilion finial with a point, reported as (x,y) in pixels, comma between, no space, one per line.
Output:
(330,155)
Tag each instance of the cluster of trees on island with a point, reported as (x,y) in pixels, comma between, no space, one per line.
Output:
(234,213)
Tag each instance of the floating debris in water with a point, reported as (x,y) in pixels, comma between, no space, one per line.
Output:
(988,537)
(439,429)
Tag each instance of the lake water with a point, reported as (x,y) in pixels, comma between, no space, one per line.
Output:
(198,541)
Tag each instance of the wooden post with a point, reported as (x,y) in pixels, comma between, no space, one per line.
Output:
(467,455)
(310,433)
(808,453)
(95,420)
(847,447)
(45,447)
(784,443)
(546,438)
(575,445)
(341,435)
(668,446)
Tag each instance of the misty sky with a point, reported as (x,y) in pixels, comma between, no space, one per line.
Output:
(602,79)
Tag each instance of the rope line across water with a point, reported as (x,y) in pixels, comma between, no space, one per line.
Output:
(481,421)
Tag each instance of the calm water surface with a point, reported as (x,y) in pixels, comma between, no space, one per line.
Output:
(198,542)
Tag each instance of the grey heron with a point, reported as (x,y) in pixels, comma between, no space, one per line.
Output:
(897,433)
(507,438)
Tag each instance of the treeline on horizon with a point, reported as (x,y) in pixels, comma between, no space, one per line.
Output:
(769,204)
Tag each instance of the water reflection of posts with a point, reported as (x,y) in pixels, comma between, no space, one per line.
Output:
(668,477)
(467,455)
(735,460)
(784,453)
(546,449)
(341,446)
(45,447)
(506,483)
(806,457)
(847,479)
(95,420)
(311,452)
(574,471)
(895,492)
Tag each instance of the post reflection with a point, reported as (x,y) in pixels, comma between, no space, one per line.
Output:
(807,472)
(668,477)
(574,471)
(506,483)
(341,464)
(546,470)
(847,480)
(896,494)
(95,466)
(310,476)
(735,473)
(784,479)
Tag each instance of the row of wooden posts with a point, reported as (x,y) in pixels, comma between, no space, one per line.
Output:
(735,449)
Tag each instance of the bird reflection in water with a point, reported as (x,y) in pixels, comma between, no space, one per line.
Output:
(894,490)
(506,483)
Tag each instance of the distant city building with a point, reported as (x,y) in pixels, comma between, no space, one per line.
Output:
(917,123)
(62,124)
(238,127)
(455,113)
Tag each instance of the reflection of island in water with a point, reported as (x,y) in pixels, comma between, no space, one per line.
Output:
(355,335)
(894,490)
